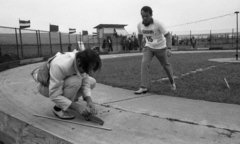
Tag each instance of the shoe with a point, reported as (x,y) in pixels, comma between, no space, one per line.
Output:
(141,91)
(63,114)
(173,87)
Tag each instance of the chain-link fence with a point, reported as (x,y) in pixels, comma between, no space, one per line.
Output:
(212,39)
(25,43)
(20,44)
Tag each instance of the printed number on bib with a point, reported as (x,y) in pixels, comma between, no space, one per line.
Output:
(149,38)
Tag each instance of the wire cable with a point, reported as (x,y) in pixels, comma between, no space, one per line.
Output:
(202,20)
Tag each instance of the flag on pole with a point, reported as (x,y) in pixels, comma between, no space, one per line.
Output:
(72,30)
(24,24)
(84,32)
(53,28)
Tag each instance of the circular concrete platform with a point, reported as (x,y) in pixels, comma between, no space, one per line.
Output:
(228,60)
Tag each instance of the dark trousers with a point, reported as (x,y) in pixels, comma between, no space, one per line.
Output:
(110,47)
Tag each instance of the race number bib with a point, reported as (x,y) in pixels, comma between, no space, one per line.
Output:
(151,39)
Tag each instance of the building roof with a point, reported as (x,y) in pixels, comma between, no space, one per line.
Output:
(110,26)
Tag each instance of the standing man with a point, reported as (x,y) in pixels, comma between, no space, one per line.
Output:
(158,43)
(129,43)
(109,40)
(193,42)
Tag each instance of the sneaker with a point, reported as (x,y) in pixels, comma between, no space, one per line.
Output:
(62,114)
(141,91)
(173,87)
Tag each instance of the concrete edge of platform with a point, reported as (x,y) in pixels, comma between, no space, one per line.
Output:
(14,130)
(226,60)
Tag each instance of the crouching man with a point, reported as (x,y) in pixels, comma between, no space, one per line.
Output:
(69,80)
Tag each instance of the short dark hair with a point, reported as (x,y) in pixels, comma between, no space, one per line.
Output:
(147,9)
(88,58)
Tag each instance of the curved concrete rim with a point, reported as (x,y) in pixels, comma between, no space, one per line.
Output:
(147,118)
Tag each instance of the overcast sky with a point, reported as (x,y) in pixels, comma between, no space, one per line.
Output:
(86,14)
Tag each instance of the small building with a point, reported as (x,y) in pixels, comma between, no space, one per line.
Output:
(113,31)
(104,30)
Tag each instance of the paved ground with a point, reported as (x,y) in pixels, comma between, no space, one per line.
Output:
(140,119)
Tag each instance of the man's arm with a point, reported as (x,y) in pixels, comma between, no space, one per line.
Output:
(168,37)
(168,43)
(90,105)
(88,84)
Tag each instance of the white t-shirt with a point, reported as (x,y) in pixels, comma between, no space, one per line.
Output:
(153,34)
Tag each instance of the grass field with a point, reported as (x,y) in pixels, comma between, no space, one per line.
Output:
(207,84)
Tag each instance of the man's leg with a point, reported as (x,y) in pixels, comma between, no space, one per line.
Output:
(161,55)
(70,88)
(147,57)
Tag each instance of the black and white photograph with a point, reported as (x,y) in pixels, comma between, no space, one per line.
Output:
(119,72)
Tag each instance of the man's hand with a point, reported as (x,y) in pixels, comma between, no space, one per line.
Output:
(145,48)
(169,52)
(90,105)
(92,108)
(80,108)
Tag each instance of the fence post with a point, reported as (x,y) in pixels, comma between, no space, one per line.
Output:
(237,36)
(117,43)
(190,39)
(69,39)
(93,44)
(50,42)
(88,40)
(177,42)
(60,41)
(232,36)
(76,38)
(37,43)
(210,39)
(40,43)
(20,34)
(99,43)
(80,36)
(17,42)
